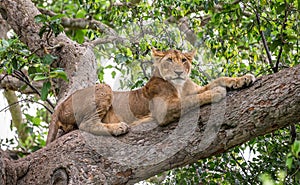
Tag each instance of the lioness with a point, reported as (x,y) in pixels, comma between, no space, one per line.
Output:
(100,111)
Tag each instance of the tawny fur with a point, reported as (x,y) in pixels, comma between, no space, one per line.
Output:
(100,111)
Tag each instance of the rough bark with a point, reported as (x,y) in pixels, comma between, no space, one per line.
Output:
(4,27)
(271,103)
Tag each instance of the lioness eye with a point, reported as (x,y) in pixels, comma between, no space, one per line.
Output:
(183,60)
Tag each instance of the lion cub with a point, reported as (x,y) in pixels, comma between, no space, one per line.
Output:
(101,111)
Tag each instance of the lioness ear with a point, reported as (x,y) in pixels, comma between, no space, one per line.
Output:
(190,55)
(157,54)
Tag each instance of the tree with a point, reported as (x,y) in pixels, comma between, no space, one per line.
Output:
(77,156)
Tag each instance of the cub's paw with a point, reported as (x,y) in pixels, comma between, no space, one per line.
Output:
(119,129)
(244,81)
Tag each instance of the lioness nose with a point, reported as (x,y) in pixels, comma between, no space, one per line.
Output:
(178,72)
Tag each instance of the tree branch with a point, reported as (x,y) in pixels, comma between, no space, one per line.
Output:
(108,39)
(281,35)
(12,83)
(22,77)
(26,100)
(78,23)
(264,41)
(271,103)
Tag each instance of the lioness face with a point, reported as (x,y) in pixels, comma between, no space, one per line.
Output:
(173,65)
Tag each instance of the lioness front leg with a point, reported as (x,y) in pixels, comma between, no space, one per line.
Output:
(96,127)
(232,82)
(165,112)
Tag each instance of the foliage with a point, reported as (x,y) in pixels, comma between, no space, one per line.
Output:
(263,158)
(35,124)
(50,25)
(293,163)
(231,38)
(15,59)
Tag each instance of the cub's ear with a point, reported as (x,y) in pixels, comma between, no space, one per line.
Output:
(190,55)
(156,54)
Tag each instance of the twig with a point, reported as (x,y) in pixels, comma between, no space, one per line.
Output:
(264,41)
(281,36)
(28,101)
(107,39)
(278,59)
(21,76)
(293,132)
(242,168)
(143,66)
(5,75)
(295,172)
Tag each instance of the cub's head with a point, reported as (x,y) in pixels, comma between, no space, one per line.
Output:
(173,65)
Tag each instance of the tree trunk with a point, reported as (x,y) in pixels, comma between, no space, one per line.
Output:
(271,103)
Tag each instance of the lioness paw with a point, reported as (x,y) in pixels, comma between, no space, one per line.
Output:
(243,81)
(120,128)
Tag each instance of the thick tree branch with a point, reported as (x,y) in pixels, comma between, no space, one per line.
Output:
(271,103)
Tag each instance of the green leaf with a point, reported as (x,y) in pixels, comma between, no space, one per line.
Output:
(59,73)
(5,43)
(36,121)
(48,59)
(43,30)
(41,18)
(22,88)
(14,63)
(32,70)
(113,74)
(56,28)
(45,90)
(79,36)
(120,58)
(40,77)
(57,18)
(296,148)
(81,14)
(280,8)
(289,161)
(274,45)
(108,67)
